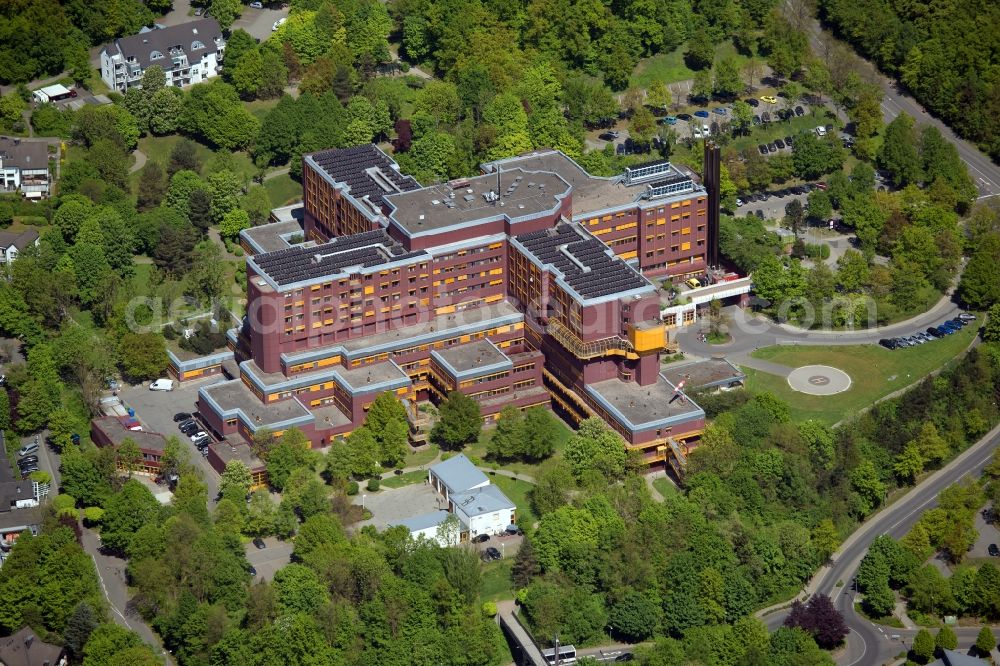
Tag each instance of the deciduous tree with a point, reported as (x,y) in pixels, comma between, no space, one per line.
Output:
(459,422)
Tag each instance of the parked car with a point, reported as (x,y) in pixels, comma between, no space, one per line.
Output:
(958,322)
(181,416)
(252,570)
(901,342)
(799,111)
(739,203)
(934,333)
(259,543)
(887,343)
(967,316)
(491,554)
(198,435)
(773,148)
(202,442)
(752,102)
(993,550)
(27,460)
(190,429)
(789,141)
(481,538)
(256,5)
(277,24)
(684,116)
(720,110)
(765,117)
(756,120)
(669,120)
(162,385)
(779,143)
(513,530)
(759,213)
(770,99)
(199,11)
(701,113)
(27,449)
(608,136)
(763,149)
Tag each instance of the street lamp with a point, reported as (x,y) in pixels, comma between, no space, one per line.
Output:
(362,503)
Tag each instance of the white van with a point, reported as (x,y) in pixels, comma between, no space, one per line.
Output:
(27,449)
(162,385)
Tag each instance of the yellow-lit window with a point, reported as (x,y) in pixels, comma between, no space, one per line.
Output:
(685,246)
(685,231)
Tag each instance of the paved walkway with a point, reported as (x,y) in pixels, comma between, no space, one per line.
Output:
(140,160)
(111,572)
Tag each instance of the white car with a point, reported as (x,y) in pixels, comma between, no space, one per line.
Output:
(820,131)
(162,385)
(198,435)
(965,316)
(739,203)
(277,24)
(696,132)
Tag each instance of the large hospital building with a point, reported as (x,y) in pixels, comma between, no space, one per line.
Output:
(527,285)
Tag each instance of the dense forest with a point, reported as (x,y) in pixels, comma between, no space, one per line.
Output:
(945,53)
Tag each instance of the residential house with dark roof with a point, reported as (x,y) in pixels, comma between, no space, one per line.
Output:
(189,53)
(14,243)
(24,167)
(25,649)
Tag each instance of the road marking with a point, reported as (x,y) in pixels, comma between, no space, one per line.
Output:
(108,596)
(864,649)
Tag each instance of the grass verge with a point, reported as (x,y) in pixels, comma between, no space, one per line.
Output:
(888,620)
(670,67)
(406,479)
(282,190)
(517,490)
(494,584)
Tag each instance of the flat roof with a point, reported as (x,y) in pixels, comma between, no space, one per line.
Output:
(377,376)
(424,332)
(240,451)
(271,237)
(338,257)
(593,194)
(16,518)
(703,374)
(384,376)
(422,522)
(482,501)
(234,398)
(458,474)
(581,262)
(472,359)
(330,416)
(117,433)
(470,201)
(364,172)
(644,407)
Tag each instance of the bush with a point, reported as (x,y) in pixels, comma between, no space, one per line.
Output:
(204,340)
(373,485)
(818,251)
(489,609)
(238,251)
(352,488)
(92,515)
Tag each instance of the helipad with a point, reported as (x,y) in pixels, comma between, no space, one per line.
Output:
(819,380)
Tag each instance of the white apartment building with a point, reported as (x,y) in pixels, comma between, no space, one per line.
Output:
(189,53)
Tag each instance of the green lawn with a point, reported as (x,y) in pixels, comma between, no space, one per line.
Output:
(283,190)
(400,480)
(670,67)
(414,458)
(494,584)
(517,491)
(665,487)
(158,148)
(875,372)
(260,107)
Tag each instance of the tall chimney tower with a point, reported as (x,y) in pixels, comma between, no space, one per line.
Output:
(712,177)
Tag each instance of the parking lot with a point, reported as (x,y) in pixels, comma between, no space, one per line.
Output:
(390,505)
(156,409)
(931,334)
(268,560)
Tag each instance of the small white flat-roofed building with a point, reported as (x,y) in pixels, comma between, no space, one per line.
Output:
(427,525)
(484,510)
(456,475)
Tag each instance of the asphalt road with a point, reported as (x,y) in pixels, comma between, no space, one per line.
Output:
(896,101)
(867,642)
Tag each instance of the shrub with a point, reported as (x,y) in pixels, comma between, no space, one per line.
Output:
(352,488)
(489,609)
(373,485)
